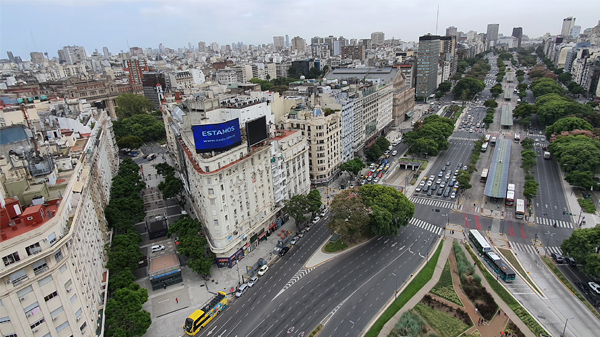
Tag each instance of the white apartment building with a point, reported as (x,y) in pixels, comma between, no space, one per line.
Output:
(181,80)
(225,76)
(324,134)
(231,190)
(52,272)
(289,164)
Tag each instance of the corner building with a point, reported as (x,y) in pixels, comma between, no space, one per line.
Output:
(53,257)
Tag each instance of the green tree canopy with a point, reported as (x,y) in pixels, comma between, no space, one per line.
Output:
(192,244)
(581,179)
(353,166)
(490,103)
(544,86)
(445,87)
(129,104)
(577,153)
(124,314)
(568,124)
(464,179)
(264,85)
(146,127)
(583,245)
(575,88)
(530,190)
(527,143)
(124,253)
(469,85)
(496,90)
(565,78)
(130,142)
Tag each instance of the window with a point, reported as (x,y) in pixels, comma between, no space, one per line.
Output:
(62,326)
(68,284)
(78,313)
(56,312)
(211,191)
(58,256)
(52,239)
(33,249)
(73,298)
(45,280)
(32,309)
(15,335)
(36,323)
(11,258)
(51,296)
(18,277)
(40,267)
(4,320)
(82,327)
(63,268)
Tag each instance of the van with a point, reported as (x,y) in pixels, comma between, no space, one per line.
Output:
(157,248)
(241,290)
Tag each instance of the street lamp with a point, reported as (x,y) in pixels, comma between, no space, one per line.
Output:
(565,329)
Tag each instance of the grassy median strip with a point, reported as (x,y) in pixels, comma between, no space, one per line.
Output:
(568,284)
(512,303)
(413,287)
(510,256)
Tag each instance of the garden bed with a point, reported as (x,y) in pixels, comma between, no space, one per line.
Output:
(445,287)
(443,323)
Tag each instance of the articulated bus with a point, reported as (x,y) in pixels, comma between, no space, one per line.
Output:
(484,147)
(484,175)
(499,266)
(201,317)
(479,241)
(510,198)
(520,210)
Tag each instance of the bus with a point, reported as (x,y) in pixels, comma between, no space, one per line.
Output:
(499,266)
(510,198)
(511,187)
(484,147)
(520,210)
(487,138)
(201,317)
(479,241)
(517,137)
(484,175)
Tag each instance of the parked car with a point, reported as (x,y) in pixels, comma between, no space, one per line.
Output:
(394,153)
(434,187)
(263,270)
(283,251)
(453,195)
(448,163)
(430,192)
(426,188)
(595,287)
(253,281)
(316,220)
(324,212)
(583,287)
(441,174)
(294,240)
(447,192)
(157,248)
(440,191)
(418,189)
(557,258)
(241,290)
(439,181)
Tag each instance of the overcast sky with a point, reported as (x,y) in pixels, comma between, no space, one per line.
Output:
(47,25)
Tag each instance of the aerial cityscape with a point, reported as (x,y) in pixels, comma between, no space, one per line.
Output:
(341,169)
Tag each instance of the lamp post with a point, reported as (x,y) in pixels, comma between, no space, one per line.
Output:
(238,270)
(565,329)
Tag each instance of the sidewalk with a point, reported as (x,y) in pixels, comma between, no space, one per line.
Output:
(574,207)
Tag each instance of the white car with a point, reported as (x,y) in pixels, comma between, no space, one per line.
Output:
(316,219)
(253,281)
(263,270)
(394,153)
(325,211)
(595,287)
(453,195)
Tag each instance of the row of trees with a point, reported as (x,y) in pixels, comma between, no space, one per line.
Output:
(431,136)
(137,122)
(467,88)
(369,211)
(171,186)
(303,207)
(378,149)
(583,247)
(124,313)
(528,162)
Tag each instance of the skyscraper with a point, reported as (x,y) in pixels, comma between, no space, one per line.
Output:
(575,31)
(287,41)
(106,52)
(568,24)
(278,42)
(36,57)
(492,35)
(10,55)
(377,38)
(202,46)
(427,65)
(518,33)
(451,31)
(299,44)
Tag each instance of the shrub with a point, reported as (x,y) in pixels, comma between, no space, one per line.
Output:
(587,205)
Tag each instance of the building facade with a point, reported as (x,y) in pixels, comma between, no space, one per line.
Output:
(427,65)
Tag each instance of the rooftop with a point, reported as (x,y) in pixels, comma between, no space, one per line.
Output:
(497,182)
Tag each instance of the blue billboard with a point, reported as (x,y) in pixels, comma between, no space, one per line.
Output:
(217,137)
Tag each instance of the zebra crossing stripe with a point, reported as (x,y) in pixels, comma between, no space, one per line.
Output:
(426,226)
(432,202)
(550,222)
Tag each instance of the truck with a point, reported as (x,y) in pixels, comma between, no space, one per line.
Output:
(546,155)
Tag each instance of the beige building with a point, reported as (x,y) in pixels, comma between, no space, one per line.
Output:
(53,257)
(289,163)
(324,134)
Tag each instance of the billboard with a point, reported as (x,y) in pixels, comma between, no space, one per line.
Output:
(217,137)
(257,130)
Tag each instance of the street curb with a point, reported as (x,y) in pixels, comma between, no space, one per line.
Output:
(332,255)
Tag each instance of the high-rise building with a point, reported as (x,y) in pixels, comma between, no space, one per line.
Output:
(377,38)
(299,44)
(106,52)
(575,31)
(287,41)
(10,55)
(518,33)
(567,25)
(136,68)
(202,47)
(451,31)
(37,57)
(72,54)
(492,35)
(427,65)
(278,42)
(54,237)
(353,52)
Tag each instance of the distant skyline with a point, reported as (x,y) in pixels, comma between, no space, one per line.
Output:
(48,25)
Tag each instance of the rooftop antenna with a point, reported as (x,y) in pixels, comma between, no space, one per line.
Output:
(437,19)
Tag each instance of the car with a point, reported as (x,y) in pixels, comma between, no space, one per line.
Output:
(394,153)
(459,165)
(443,168)
(241,290)
(372,166)
(363,182)
(453,195)
(441,174)
(434,187)
(429,182)
(571,262)
(301,234)
(583,287)
(157,248)
(456,185)
(431,177)
(557,258)
(316,220)
(324,212)
(380,175)
(447,163)
(595,287)
(370,178)
(440,191)
(430,192)
(465,168)
(426,187)
(294,240)
(456,172)
(418,189)
(284,251)
(263,270)
(438,181)
(375,181)
(386,152)
(253,281)
(422,183)
(442,184)
(447,192)
(447,175)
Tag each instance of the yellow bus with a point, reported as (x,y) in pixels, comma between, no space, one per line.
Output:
(201,317)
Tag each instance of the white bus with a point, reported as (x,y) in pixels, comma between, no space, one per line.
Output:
(484,147)
(479,241)
(487,138)
(520,210)
(511,187)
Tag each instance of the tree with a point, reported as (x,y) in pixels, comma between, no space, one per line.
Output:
(445,87)
(124,314)
(144,126)
(129,104)
(575,89)
(529,160)
(164,169)
(525,121)
(545,86)
(264,85)
(297,206)
(490,103)
(120,280)
(520,72)
(527,143)
(125,252)
(464,179)
(353,166)
(565,78)
(424,146)
(583,245)
(577,153)
(390,209)
(130,142)
(470,85)
(172,187)
(314,201)
(350,216)
(192,244)
(496,90)
(581,179)
(568,124)
(530,190)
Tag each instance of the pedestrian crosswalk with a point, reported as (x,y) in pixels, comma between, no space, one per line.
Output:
(521,247)
(461,138)
(551,222)
(432,202)
(426,226)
